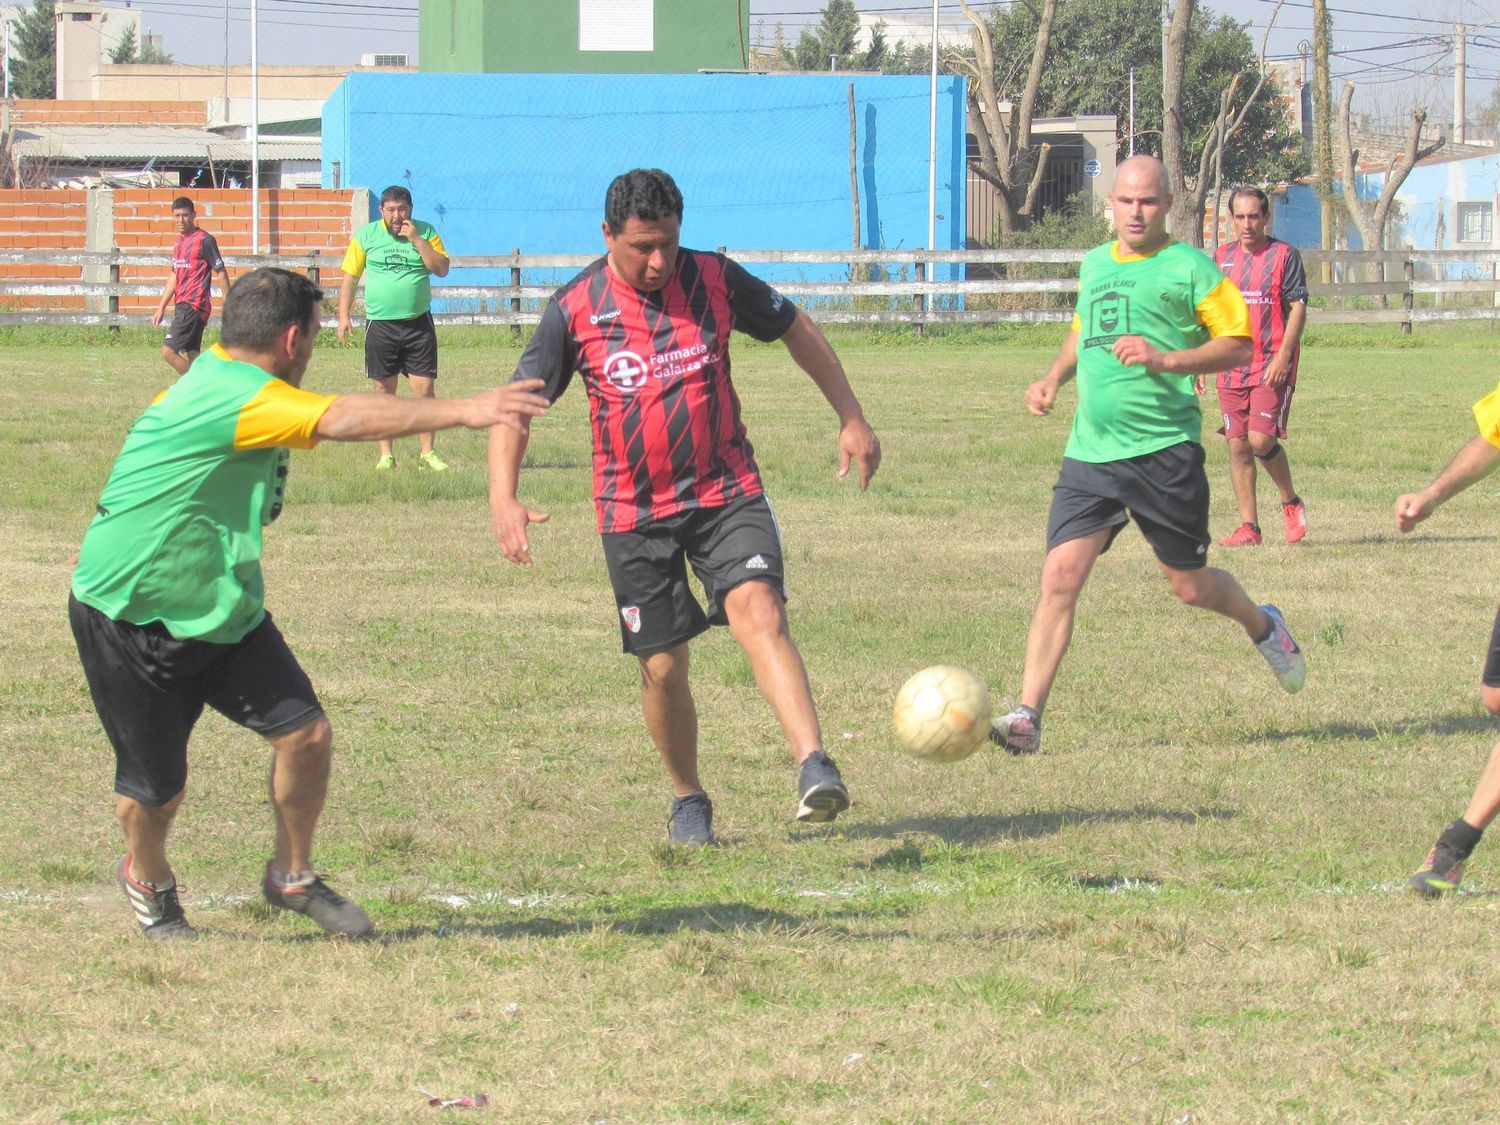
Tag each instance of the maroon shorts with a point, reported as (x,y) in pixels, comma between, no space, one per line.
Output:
(1262,409)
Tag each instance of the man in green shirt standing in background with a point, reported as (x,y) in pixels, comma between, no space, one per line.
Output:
(400,254)
(1152,313)
(167,602)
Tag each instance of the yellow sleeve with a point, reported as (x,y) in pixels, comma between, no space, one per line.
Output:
(280,414)
(1223,311)
(1487,414)
(436,242)
(354,259)
(1077,325)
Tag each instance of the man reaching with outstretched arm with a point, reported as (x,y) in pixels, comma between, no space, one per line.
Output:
(1444,866)
(167,603)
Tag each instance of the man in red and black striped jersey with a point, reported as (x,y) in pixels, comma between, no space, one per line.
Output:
(675,480)
(1257,398)
(195,259)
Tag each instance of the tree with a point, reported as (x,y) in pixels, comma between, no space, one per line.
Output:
(1007,158)
(1371,218)
(33,71)
(124,51)
(836,40)
(1094,44)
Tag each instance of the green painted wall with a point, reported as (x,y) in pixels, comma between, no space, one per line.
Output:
(541,37)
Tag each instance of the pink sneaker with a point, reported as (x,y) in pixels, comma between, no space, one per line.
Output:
(1246,535)
(1295,515)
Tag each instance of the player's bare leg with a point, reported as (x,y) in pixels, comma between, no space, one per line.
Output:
(1064,573)
(1242,477)
(178,361)
(1277,467)
(672,716)
(757,618)
(386,386)
(1217,590)
(424,386)
(298,785)
(146,828)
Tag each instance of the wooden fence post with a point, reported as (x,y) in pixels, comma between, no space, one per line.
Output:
(515,280)
(1408,274)
(921,297)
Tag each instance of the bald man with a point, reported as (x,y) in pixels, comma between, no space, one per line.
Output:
(1152,313)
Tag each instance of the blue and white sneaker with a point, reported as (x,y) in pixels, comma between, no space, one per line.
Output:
(1281,652)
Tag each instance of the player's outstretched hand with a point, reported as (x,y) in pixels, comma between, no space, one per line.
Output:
(511,519)
(505,405)
(156,318)
(343,330)
(858,443)
(1132,350)
(1040,396)
(1412,509)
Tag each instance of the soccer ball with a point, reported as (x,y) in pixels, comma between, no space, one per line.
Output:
(942,714)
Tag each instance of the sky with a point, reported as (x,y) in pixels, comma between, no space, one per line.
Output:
(1398,53)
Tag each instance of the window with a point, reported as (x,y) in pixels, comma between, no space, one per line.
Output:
(1476,223)
(616,25)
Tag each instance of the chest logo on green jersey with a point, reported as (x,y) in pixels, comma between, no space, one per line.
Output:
(1109,317)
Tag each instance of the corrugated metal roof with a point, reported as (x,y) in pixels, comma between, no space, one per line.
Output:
(135,144)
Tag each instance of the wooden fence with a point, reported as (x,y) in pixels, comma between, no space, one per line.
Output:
(912,287)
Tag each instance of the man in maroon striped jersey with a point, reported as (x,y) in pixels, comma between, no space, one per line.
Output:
(195,259)
(675,480)
(1256,399)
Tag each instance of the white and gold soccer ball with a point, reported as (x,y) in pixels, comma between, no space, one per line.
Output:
(942,714)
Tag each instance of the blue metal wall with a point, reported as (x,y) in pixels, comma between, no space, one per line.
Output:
(497,161)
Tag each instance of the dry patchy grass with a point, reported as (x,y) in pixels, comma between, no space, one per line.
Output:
(1188,909)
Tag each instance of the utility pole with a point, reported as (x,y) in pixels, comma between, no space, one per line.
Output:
(1322,127)
(1460,42)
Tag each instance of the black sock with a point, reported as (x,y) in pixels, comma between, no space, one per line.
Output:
(1461,836)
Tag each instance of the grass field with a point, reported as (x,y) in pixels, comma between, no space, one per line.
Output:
(1189,908)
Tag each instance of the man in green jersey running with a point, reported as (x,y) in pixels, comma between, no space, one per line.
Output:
(1152,313)
(399,254)
(167,603)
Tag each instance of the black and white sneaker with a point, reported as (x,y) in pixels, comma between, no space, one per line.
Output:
(320,902)
(157,909)
(692,821)
(821,793)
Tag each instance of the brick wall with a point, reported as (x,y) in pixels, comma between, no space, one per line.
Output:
(43,220)
(292,221)
(296,221)
(45,111)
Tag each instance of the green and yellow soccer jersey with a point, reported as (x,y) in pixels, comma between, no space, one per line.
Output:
(177,535)
(1175,298)
(1487,417)
(398,286)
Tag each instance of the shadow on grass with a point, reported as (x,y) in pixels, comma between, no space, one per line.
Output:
(1380,539)
(709,918)
(1024,826)
(1400,728)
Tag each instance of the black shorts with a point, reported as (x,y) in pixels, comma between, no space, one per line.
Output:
(186,333)
(1491,676)
(149,689)
(1166,492)
(737,543)
(401,347)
